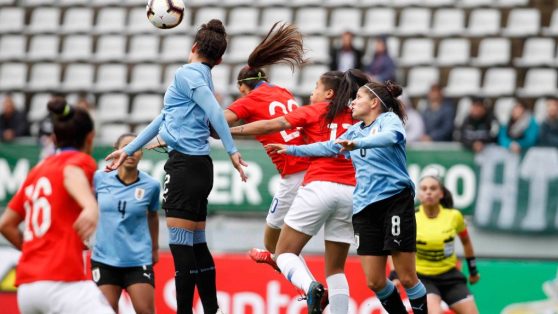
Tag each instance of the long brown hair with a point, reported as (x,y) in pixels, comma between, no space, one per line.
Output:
(387,94)
(282,44)
(345,86)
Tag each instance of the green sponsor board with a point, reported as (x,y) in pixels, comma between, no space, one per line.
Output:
(504,191)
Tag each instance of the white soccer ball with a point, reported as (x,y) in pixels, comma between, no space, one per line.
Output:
(165,13)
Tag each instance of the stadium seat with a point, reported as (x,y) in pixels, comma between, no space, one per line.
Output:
(302,3)
(439,3)
(453,51)
(475,3)
(204,14)
(502,109)
(104,3)
(111,77)
(499,82)
(266,4)
(112,108)
(523,22)
(221,76)
(110,48)
(406,3)
(78,77)
(43,48)
(12,48)
(110,20)
(143,48)
(551,30)
(77,48)
(379,21)
(240,48)
(176,48)
(311,20)
(44,20)
(414,21)
(345,19)
(375,3)
(417,51)
(537,52)
(44,77)
(109,133)
(336,3)
(13,76)
(234,3)
(202,3)
(539,82)
(243,21)
(493,51)
(539,109)
(484,22)
(420,79)
(309,75)
(11,20)
(512,3)
(32,3)
(138,23)
(272,15)
(448,22)
(317,49)
(170,70)
(18,98)
(145,108)
(77,20)
(70,3)
(282,75)
(463,81)
(463,107)
(146,78)
(38,109)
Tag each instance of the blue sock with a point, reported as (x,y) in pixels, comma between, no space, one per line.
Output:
(417,298)
(181,236)
(390,299)
(386,291)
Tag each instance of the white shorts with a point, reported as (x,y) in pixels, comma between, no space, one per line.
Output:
(327,204)
(50,297)
(283,199)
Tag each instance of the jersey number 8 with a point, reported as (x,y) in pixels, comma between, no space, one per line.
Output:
(36,206)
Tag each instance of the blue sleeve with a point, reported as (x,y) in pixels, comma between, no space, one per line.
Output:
(322,149)
(203,97)
(381,139)
(531,135)
(154,204)
(503,138)
(145,136)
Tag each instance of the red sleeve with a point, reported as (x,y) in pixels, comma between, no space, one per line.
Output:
(241,107)
(86,163)
(301,116)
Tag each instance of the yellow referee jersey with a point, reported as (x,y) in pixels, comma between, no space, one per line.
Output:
(436,240)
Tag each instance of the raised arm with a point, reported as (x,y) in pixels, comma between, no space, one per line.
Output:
(262,127)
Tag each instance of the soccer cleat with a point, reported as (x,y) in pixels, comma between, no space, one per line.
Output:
(314,298)
(263,256)
(325,300)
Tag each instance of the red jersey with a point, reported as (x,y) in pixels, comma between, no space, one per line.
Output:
(312,118)
(52,249)
(267,102)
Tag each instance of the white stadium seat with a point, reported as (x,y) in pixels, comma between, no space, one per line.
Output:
(221,78)
(44,77)
(110,20)
(282,75)
(44,20)
(414,21)
(309,75)
(420,79)
(111,77)
(78,77)
(499,82)
(502,109)
(484,22)
(145,108)
(77,20)
(43,48)
(11,19)
(523,22)
(272,15)
(77,48)
(110,48)
(137,22)
(539,82)
(493,51)
(204,14)
(540,109)
(311,20)
(12,47)
(448,22)
(379,21)
(112,108)
(143,48)
(317,49)
(243,21)
(537,52)
(463,81)
(345,19)
(463,107)
(12,76)
(453,51)
(146,78)
(552,29)
(240,48)
(417,51)
(176,48)
(38,109)
(109,133)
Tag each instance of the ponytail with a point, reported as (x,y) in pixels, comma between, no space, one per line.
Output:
(345,86)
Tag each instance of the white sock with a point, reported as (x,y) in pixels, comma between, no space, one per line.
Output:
(338,288)
(306,266)
(294,270)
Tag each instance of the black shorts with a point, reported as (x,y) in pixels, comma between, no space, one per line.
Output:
(387,225)
(451,286)
(121,276)
(188,182)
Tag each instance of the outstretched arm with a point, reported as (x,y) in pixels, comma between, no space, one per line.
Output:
(382,139)
(262,127)
(320,149)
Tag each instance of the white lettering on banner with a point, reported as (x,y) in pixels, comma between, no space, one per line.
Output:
(539,178)
(228,188)
(11,181)
(271,303)
(490,192)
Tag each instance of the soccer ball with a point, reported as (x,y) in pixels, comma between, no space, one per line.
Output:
(165,13)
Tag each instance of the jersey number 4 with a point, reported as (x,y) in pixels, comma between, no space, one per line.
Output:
(291,105)
(37,206)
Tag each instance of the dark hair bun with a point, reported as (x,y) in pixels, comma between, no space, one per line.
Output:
(59,108)
(394,89)
(215,26)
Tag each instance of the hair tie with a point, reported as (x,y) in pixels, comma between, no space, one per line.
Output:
(373,92)
(66,111)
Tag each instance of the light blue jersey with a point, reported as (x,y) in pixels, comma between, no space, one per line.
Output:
(379,160)
(189,108)
(123,238)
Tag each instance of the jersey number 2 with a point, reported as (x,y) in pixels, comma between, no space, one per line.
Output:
(291,104)
(37,205)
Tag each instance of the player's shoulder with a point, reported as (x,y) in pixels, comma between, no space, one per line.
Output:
(149,180)
(454,212)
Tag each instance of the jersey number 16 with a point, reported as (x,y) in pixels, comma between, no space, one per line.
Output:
(37,205)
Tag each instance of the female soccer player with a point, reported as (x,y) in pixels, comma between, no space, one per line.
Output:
(383,205)
(438,224)
(184,124)
(262,100)
(59,212)
(326,197)
(127,245)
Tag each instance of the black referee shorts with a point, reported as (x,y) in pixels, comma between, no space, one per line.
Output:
(451,286)
(188,182)
(387,225)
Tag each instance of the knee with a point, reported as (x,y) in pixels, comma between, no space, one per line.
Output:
(376,284)
(144,310)
(408,280)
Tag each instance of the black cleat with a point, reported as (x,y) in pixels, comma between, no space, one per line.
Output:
(314,298)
